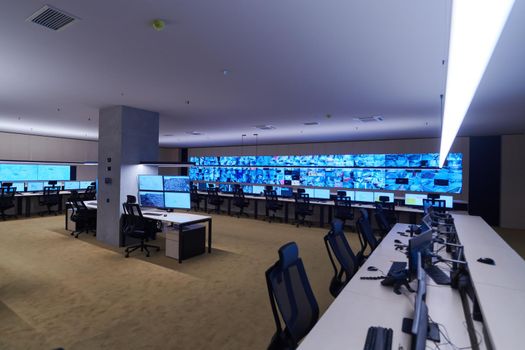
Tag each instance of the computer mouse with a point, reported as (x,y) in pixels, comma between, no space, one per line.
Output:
(488,261)
(397,241)
(372,268)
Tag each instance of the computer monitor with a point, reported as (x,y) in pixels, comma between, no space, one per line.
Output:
(151,183)
(420,321)
(363,196)
(258,190)
(309,192)
(322,193)
(177,200)
(35,186)
(202,186)
(419,245)
(286,192)
(247,189)
(177,183)
(210,185)
(18,186)
(85,184)
(71,185)
(351,195)
(390,196)
(151,199)
(414,199)
(449,201)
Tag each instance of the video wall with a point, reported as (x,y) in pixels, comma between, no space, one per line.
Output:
(164,191)
(393,172)
(34,172)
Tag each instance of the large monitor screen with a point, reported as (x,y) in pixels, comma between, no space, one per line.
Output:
(85,184)
(449,201)
(54,172)
(71,185)
(177,200)
(177,183)
(258,189)
(362,196)
(151,199)
(18,172)
(150,183)
(414,199)
(18,186)
(322,193)
(35,186)
(390,196)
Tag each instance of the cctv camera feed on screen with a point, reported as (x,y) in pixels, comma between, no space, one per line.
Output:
(151,199)
(33,172)
(150,183)
(177,183)
(392,172)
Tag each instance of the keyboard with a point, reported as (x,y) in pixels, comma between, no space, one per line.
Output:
(397,266)
(153,214)
(437,275)
(378,338)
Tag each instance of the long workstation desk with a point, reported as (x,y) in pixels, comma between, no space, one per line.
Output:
(24,199)
(181,220)
(500,291)
(325,206)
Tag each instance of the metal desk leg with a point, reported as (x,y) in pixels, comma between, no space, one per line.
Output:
(321,214)
(28,206)
(286,212)
(229,206)
(209,236)
(255,208)
(181,242)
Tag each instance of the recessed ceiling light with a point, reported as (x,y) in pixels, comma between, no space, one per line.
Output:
(311,123)
(167,135)
(195,133)
(265,127)
(225,71)
(372,119)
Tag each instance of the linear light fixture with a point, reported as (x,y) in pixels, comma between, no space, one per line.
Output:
(169,164)
(475,29)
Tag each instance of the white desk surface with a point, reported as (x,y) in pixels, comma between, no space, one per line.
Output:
(365,303)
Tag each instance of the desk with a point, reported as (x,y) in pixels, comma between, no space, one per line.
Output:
(180,219)
(27,196)
(365,303)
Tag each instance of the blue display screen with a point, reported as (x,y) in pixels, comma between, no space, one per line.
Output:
(18,172)
(35,186)
(85,184)
(150,183)
(177,183)
(151,199)
(71,185)
(53,172)
(19,186)
(177,200)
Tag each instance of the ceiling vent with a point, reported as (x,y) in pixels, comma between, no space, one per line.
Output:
(52,18)
(372,119)
(265,127)
(311,123)
(195,133)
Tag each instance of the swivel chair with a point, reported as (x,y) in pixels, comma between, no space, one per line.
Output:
(291,299)
(272,204)
(343,208)
(335,242)
(214,199)
(240,201)
(382,220)
(195,198)
(135,226)
(89,194)
(7,200)
(302,209)
(50,198)
(366,233)
(85,219)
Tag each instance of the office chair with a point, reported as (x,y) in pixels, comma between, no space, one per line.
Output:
(7,200)
(302,209)
(272,204)
(381,219)
(89,194)
(130,200)
(195,198)
(335,242)
(389,210)
(84,218)
(214,199)
(343,208)
(136,226)
(366,234)
(240,202)
(291,299)
(50,198)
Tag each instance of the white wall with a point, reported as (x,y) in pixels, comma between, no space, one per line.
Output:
(383,146)
(512,214)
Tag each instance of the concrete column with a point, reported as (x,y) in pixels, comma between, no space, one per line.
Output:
(126,136)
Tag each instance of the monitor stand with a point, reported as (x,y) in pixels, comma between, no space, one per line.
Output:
(432,332)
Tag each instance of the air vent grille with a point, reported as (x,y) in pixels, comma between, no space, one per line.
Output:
(51,18)
(265,127)
(373,119)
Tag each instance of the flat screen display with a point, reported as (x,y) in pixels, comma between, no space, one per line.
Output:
(151,199)
(177,200)
(18,186)
(287,192)
(258,190)
(449,201)
(35,186)
(150,183)
(71,185)
(390,196)
(53,172)
(310,192)
(350,194)
(362,196)
(18,172)
(322,193)
(177,183)
(85,184)
(414,199)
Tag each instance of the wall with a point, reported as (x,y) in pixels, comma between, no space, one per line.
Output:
(512,181)
(383,146)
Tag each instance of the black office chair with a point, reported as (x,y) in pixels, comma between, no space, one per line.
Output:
(381,219)
(302,209)
(214,199)
(136,226)
(272,204)
(240,201)
(291,299)
(89,194)
(343,208)
(335,242)
(7,200)
(366,233)
(85,219)
(389,208)
(50,198)
(196,198)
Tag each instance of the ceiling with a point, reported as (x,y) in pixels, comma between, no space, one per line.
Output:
(288,62)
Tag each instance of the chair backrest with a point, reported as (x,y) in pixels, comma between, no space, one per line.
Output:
(365,230)
(213,193)
(302,202)
(90,193)
(341,193)
(291,294)
(7,196)
(382,221)
(343,208)
(238,196)
(134,219)
(51,191)
(335,241)
(271,196)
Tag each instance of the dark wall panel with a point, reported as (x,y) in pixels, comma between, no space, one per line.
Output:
(184,158)
(484,178)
